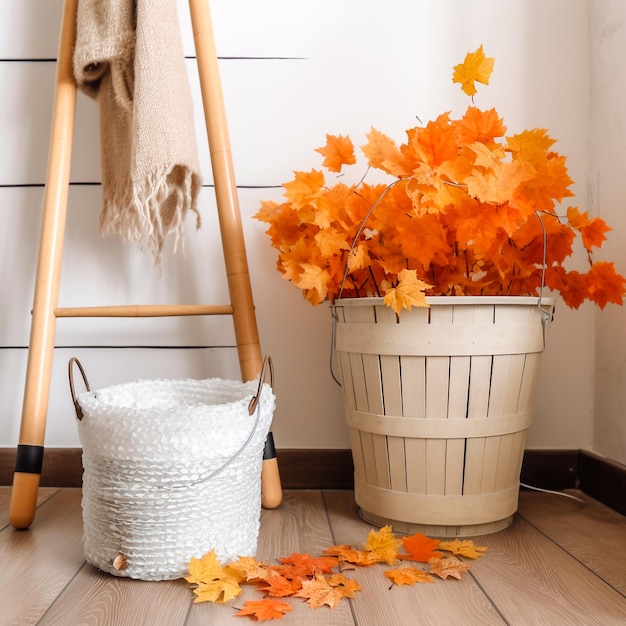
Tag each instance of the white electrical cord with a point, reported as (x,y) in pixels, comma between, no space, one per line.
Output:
(556,493)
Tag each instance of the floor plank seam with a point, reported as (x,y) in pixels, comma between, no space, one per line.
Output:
(47,499)
(334,540)
(330,526)
(61,592)
(488,597)
(573,556)
(188,614)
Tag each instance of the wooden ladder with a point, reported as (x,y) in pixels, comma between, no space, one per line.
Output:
(30,449)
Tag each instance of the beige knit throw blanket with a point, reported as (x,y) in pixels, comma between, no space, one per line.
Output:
(129,57)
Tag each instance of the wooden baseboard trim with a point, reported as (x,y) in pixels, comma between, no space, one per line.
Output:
(604,480)
(316,469)
(299,469)
(62,467)
(550,469)
(600,478)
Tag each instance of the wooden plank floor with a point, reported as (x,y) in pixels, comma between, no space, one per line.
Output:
(560,563)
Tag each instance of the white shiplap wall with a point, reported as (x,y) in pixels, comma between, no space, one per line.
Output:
(291,72)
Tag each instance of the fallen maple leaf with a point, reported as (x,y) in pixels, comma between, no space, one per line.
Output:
(346,586)
(408,576)
(384,544)
(338,551)
(465,548)
(265,609)
(215,583)
(450,566)
(347,554)
(251,569)
(279,586)
(318,592)
(302,575)
(301,565)
(420,548)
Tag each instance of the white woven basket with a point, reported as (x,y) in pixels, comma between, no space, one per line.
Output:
(172,469)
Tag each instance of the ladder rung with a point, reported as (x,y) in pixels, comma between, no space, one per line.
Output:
(145,310)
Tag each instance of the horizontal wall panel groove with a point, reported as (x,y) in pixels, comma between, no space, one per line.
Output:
(102,270)
(246,28)
(104,367)
(254,121)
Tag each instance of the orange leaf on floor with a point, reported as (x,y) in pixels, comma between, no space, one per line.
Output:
(265,609)
(305,565)
(408,576)
(384,544)
(214,583)
(420,548)
(346,586)
(450,566)
(278,586)
(466,548)
(347,554)
(318,592)
(251,569)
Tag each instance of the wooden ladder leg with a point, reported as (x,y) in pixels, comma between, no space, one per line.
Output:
(246,333)
(41,344)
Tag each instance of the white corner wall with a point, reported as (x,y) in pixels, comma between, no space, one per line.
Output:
(291,72)
(608,164)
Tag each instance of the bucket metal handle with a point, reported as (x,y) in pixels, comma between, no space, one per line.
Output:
(70,371)
(266,369)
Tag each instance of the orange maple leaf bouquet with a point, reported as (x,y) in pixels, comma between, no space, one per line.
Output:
(467,211)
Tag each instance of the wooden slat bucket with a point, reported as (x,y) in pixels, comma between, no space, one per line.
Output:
(438,402)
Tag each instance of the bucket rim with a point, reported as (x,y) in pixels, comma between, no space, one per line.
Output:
(455,301)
